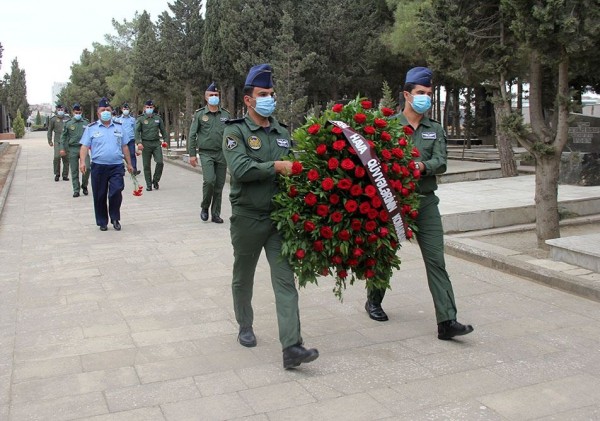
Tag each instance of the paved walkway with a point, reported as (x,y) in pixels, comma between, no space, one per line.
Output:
(138,325)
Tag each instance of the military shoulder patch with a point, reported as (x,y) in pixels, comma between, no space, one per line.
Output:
(429,135)
(234,120)
(231,142)
(117,122)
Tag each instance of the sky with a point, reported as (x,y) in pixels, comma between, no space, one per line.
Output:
(47,36)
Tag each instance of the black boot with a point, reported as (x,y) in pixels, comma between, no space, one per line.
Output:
(295,355)
(375,311)
(246,337)
(451,328)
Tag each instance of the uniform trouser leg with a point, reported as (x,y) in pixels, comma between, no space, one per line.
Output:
(158,158)
(214,172)
(131,147)
(107,184)
(57,159)
(146,159)
(116,184)
(248,237)
(430,237)
(74,164)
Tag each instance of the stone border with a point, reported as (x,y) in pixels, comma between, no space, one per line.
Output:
(9,178)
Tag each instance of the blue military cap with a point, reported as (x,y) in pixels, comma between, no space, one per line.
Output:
(76,107)
(125,105)
(149,103)
(104,102)
(419,76)
(212,87)
(260,76)
(59,105)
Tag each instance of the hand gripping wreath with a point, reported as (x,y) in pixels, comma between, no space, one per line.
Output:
(351,198)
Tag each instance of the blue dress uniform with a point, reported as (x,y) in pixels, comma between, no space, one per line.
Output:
(106,145)
(128,124)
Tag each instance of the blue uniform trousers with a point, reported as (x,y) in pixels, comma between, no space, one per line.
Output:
(131,146)
(107,182)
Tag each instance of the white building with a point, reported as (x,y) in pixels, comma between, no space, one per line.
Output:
(56,88)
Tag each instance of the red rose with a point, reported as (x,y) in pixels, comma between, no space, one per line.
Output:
(364,207)
(405,172)
(402,141)
(295,218)
(333,163)
(300,254)
(310,199)
(318,245)
(384,216)
(322,210)
(339,145)
(334,199)
(359,172)
(164,145)
(393,244)
(408,130)
(347,164)
(309,226)
(325,271)
(356,190)
(328,184)
(344,235)
(314,129)
(293,191)
(296,167)
(321,149)
(359,240)
(411,186)
(351,205)
(369,130)
(372,238)
(351,150)
(373,213)
(357,252)
(336,130)
(417,174)
(312,175)
(366,104)
(369,273)
(352,262)
(384,168)
(336,217)
(336,259)
(344,184)
(376,202)
(370,262)
(383,231)
(404,192)
(387,111)
(415,152)
(386,137)
(371,144)
(398,153)
(342,274)
(380,122)
(337,108)
(409,234)
(370,190)
(326,232)
(412,165)
(370,226)
(414,213)
(396,168)
(405,209)
(360,118)
(386,154)
(356,225)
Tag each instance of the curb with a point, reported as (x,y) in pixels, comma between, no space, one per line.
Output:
(9,179)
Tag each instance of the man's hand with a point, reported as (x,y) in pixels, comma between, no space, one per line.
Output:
(193,161)
(50,144)
(283,167)
(82,168)
(129,168)
(63,153)
(140,147)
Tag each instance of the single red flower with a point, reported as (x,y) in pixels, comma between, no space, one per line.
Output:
(325,271)
(336,259)
(417,174)
(412,165)
(356,190)
(383,231)
(333,163)
(396,168)
(337,108)
(326,232)
(384,216)
(322,210)
(359,171)
(297,167)
(318,246)
(295,218)
(300,254)
(404,192)
(309,226)
(409,233)
(164,145)
(360,118)
(358,240)
(376,202)
(344,184)
(414,213)
(347,164)
(370,262)
(370,191)
(366,104)
(356,224)
(373,213)
(386,154)
(351,205)
(293,191)
(402,141)
(339,145)
(364,207)
(398,153)
(384,168)
(328,184)
(387,111)
(352,262)
(351,150)
(405,171)
(336,217)
(342,274)
(380,122)
(415,152)
(310,199)
(336,130)
(371,144)
(369,130)
(312,175)
(344,235)
(314,129)
(370,226)
(408,130)
(321,149)
(334,199)
(369,273)
(385,136)
(372,238)
(357,252)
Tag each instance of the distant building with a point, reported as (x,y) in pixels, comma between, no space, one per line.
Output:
(56,88)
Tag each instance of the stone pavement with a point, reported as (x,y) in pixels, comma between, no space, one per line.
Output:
(138,325)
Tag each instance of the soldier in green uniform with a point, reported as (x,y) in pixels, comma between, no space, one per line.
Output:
(430,140)
(253,148)
(206,138)
(148,127)
(55,129)
(69,146)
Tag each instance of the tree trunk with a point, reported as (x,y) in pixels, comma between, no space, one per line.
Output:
(502,111)
(189,109)
(456,111)
(546,199)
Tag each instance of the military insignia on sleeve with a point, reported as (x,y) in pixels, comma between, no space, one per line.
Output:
(254,142)
(204,117)
(145,121)
(71,127)
(231,142)
(224,119)
(429,135)
(284,143)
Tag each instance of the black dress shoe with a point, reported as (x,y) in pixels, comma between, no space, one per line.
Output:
(295,355)
(76,194)
(217,219)
(204,214)
(56,177)
(84,190)
(451,328)
(148,188)
(155,184)
(137,172)
(117,225)
(65,178)
(103,227)
(376,312)
(246,337)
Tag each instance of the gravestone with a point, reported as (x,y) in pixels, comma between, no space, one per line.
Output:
(580,160)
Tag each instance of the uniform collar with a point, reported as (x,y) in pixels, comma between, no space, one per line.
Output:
(273,126)
(99,123)
(425,121)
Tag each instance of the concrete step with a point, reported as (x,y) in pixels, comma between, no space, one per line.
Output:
(581,250)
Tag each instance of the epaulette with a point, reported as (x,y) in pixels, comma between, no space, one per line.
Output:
(285,126)
(434,120)
(225,109)
(117,122)
(234,120)
(91,124)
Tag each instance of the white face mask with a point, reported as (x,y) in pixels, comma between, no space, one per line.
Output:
(125,112)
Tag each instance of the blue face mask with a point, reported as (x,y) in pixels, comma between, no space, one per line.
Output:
(60,113)
(77,117)
(149,111)
(265,105)
(105,115)
(213,100)
(421,103)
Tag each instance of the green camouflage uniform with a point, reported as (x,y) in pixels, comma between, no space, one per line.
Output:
(55,129)
(147,130)
(69,142)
